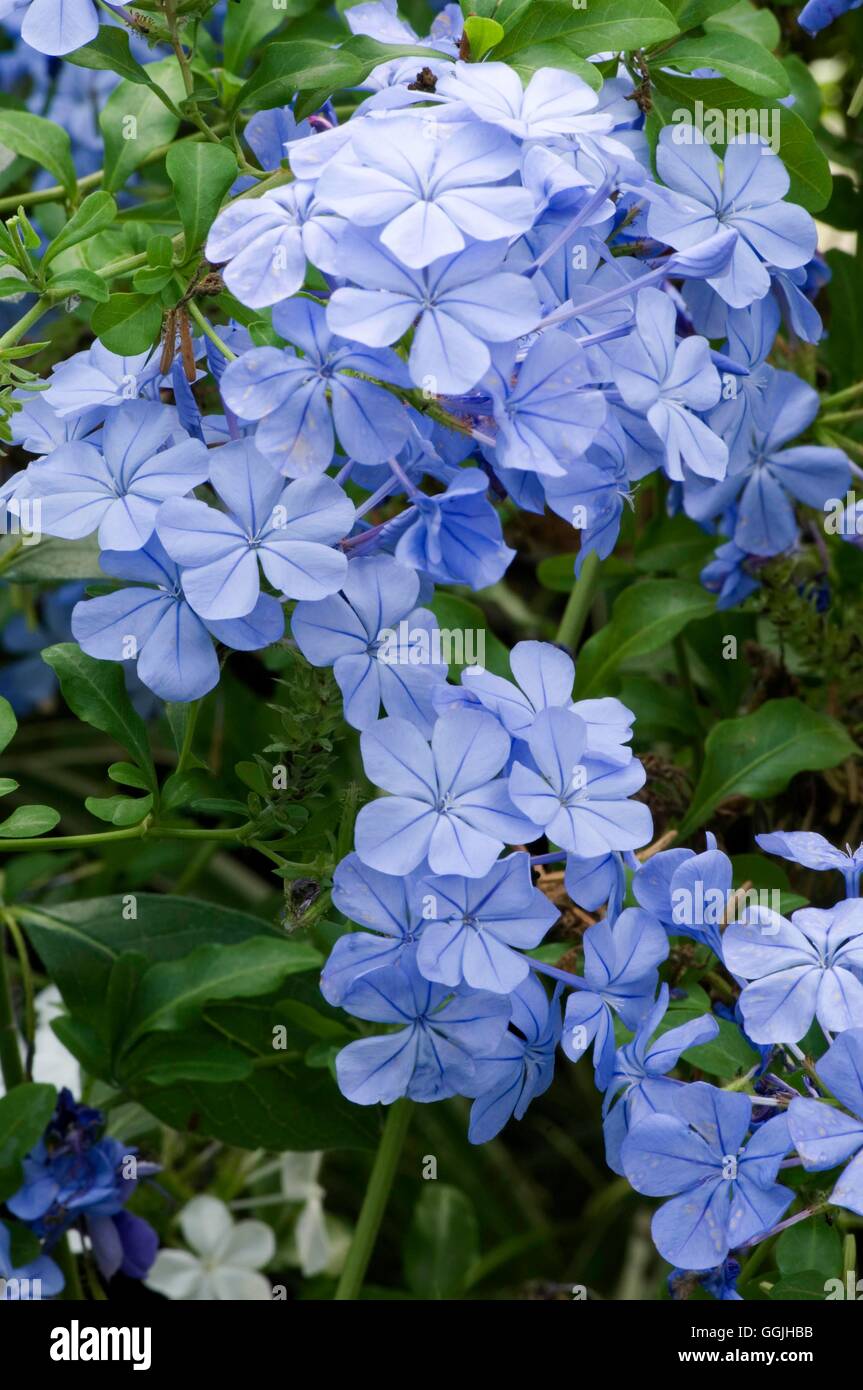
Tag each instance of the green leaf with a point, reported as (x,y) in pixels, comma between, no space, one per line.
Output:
(95,214)
(160,252)
(808,100)
(807,165)
(844,344)
(7,785)
(24,1114)
(53,559)
(41,141)
(810,1245)
(645,617)
(120,810)
(149,280)
(247,24)
(83,282)
(482,35)
(193,1055)
(128,776)
(736,57)
(128,323)
(758,24)
(441,1244)
(758,754)
(95,691)
(172,993)
(134,121)
(201,175)
(110,52)
(469,634)
(8,723)
(554,55)
(673,545)
(24,1246)
(310,65)
(804,1285)
(691,13)
(282,1105)
(728,1055)
(28,821)
(593,28)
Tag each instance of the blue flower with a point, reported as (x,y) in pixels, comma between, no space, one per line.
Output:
(744,193)
(88,382)
(689,893)
(264,243)
(434,186)
(640,1083)
(293,395)
(823,1136)
(668,382)
(153,625)
(817,14)
(475,928)
(521,1068)
(389,906)
(75,1174)
(808,967)
(291,529)
(27,681)
(720,1282)
(591,493)
(601,880)
(432,1055)
(763,481)
(39,1278)
(581,801)
(728,1195)
(814,852)
(377,641)
(460,303)
(751,335)
(54,28)
(554,103)
(143,457)
(620,976)
(449,803)
(547,418)
(455,537)
(544,676)
(727,577)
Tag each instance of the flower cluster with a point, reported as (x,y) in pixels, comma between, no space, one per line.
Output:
(78,1178)
(474,290)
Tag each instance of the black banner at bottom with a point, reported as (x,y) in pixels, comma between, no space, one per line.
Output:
(219,1340)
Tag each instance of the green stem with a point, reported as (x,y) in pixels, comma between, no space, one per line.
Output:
(374,1203)
(11,555)
(840,397)
(136,832)
(209,331)
(838,417)
(10,1057)
(579,601)
(29,992)
(33,315)
(188,737)
(72,1290)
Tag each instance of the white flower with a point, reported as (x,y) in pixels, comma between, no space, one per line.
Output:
(299,1184)
(53,1063)
(226,1261)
